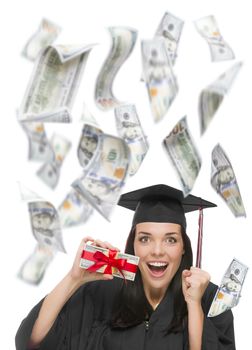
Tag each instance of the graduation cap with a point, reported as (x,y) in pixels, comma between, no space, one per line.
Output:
(162,203)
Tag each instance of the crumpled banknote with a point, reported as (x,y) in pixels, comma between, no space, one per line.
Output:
(219,48)
(88,144)
(74,210)
(170,28)
(49,173)
(40,149)
(34,267)
(229,292)
(212,96)
(106,161)
(184,155)
(123,42)
(47,32)
(129,128)
(53,84)
(44,219)
(224,182)
(45,224)
(158,75)
(46,228)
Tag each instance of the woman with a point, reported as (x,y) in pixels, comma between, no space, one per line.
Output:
(164,308)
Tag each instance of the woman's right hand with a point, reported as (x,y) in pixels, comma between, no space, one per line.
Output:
(80,275)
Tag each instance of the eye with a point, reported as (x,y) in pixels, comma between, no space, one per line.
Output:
(171,240)
(144,239)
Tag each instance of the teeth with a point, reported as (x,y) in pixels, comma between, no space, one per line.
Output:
(158,264)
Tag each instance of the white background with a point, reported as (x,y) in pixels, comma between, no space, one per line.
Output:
(85,22)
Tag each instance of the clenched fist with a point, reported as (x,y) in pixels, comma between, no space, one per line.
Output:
(194,284)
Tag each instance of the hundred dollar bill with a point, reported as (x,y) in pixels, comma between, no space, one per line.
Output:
(158,75)
(33,269)
(53,84)
(40,148)
(49,173)
(229,292)
(129,128)
(123,42)
(45,225)
(45,35)
(170,28)
(62,115)
(88,144)
(224,182)
(102,181)
(184,155)
(69,52)
(212,96)
(74,210)
(208,29)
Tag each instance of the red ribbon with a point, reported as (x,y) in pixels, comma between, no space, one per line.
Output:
(102,260)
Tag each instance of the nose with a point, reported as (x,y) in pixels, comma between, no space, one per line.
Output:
(157,249)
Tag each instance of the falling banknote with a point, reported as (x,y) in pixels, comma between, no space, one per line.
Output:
(229,292)
(88,144)
(33,269)
(129,128)
(159,77)
(45,224)
(46,229)
(54,83)
(40,148)
(45,35)
(170,28)
(49,173)
(212,96)
(184,155)
(105,173)
(224,181)
(208,28)
(123,42)
(74,210)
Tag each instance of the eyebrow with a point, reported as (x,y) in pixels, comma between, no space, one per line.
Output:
(150,234)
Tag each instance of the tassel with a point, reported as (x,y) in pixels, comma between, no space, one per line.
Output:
(200,239)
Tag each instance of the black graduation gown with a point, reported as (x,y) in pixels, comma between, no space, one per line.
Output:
(83,324)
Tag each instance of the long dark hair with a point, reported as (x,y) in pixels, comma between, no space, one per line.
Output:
(132,307)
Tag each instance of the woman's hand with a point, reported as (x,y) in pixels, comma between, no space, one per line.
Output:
(80,275)
(194,284)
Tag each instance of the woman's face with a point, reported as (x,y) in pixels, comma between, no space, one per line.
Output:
(160,248)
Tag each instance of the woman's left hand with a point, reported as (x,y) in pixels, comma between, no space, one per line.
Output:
(194,284)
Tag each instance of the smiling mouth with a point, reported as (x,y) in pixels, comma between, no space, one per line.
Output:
(157,269)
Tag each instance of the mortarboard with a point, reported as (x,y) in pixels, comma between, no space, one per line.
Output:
(162,203)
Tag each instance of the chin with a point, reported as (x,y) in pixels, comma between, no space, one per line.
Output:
(158,284)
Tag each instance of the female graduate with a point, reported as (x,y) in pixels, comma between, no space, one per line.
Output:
(164,308)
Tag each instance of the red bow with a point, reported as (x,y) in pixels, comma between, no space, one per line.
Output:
(102,259)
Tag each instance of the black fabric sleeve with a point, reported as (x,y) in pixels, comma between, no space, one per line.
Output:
(218,331)
(51,340)
(25,328)
(72,324)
